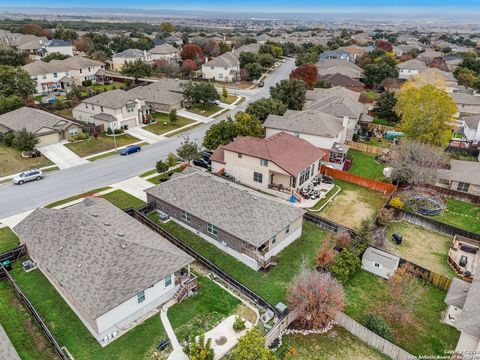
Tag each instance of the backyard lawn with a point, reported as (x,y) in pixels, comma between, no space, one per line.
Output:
(113,85)
(337,344)
(203,311)
(422,246)
(12,162)
(164,125)
(461,214)
(364,164)
(101,143)
(352,204)
(272,285)
(365,294)
(204,109)
(8,239)
(123,200)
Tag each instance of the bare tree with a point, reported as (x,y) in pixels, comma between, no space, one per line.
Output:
(316,297)
(416,163)
(326,254)
(343,239)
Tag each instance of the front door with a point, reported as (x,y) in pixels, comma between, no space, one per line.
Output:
(271,178)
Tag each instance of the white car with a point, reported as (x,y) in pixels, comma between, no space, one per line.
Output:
(26,176)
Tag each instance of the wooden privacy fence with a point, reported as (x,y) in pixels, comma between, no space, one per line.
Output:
(370,149)
(276,331)
(381,127)
(437,280)
(372,339)
(458,195)
(358,180)
(327,224)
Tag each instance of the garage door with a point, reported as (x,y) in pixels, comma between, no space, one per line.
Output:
(131,123)
(48,139)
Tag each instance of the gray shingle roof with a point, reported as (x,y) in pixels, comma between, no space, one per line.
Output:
(237,210)
(33,120)
(334,66)
(457,293)
(165,91)
(469,320)
(100,255)
(114,99)
(337,101)
(163,49)
(130,53)
(461,98)
(228,59)
(472,121)
(413,64)
(388,260)
(464,171)
(41,67)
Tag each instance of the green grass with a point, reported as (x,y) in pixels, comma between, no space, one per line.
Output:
(50,169)
(463,156)
(100,144)
(149,172)
(12,162)
(203,311)
(164,176)
(457,136)
(204,109)
(365,165)
(75,197)
(229,99)
(70,331)
(337,344)
(381,121)
(66,112)
(365,291)
(164,125)
(101,156)
(272,285)
(383,143)
(460,214)
(123,200)
(181,131)
(118,85)
(321,202)
(8,239)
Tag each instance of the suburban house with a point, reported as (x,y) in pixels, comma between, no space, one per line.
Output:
(466,103)
(31,44)
(470,129)
(47,127)
(337,55)
(355,51)
(462,176)
(111,270)
(335,66)
(410,68)
(281,160)
(174,39)
(379,262)
(164,52)
(163,95)
(342,80)
(250,226)
(127,56)
(64,47)
(225,67)
(80,68)
(428,55)
(113,109)
(463,313)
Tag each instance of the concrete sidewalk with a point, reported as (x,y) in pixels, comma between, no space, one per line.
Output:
(62,156)
(177,353)
(193,116)
(144,135)
(134,186)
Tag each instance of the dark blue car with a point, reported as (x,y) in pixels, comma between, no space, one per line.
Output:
(130,149)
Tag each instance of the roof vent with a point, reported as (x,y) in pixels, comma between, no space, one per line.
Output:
(94,214)
(106,223)
(61,248)
(121,234)
(123,245)
(79,265)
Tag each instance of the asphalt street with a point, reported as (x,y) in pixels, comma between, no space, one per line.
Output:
(15,199)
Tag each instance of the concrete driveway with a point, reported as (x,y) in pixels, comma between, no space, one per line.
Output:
(62,156)
(144,135)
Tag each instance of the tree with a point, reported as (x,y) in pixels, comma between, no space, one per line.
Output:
(291,92)
(343,239)
(426,114)
(384,107)
(171,160)
(264,107)
(192,52)
(377,72)
(384,45)
(246,58)
(221,133)
(224,92)
(306,58)
(75,94)
(167,27)
(137,69)
(172,115)
(198,92)
(416,163)
(189,66)
(307,73)
(15,81)
(54,56)
(254,71)
(266,60)
(25,140)
(11,57)
(10,103)
(247,125)
(316,297)
(377,324)
(199,349)
(325,255)
(251,346)
(37,30)
(345,265)
(364,233)
(161,166)
(188,150)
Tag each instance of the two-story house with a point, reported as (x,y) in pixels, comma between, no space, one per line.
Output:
(223,68)
(64,47)
(410,68)
(164,52)
(127,56)
(47,76)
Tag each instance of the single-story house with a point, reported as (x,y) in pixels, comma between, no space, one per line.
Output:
(164,52)
(127,56)
(109,268)
(355,51)
(466,103)
(343,81)
(279,160)
(462,176)
(248,225)
(164,95)
(337,55)
(47,127)
(463,313)
(336,66)
(114,109)
(379,262)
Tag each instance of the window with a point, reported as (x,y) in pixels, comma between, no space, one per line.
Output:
(239,155)
(212,229)
(80,71)
(463,186)
(141,297)
(220,76)
(168,280)
(89,69)
(263,162)
(44,76)
(55,75)
(258,177)
(67,73)
(73,131)
(130,108)
(377,265)
(297,134)
(287,230)
(274,239)
(186,216)
(86,106)
(212,68)
(101,108)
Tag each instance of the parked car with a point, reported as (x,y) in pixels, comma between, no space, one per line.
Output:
(26,176)
(130,149)
(201,163)
(261,84)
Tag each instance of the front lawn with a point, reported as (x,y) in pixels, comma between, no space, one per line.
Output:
(101,143)
(164,176)
(337,344)
(422,246)
(229,99)
(12,162)
(123,200)
(8,239)
(75,197)
(138,343)
(203,311)
(204,109)
(164,125)
(365,165)
(460,214)
(365,293)
(271,285)
(353,204)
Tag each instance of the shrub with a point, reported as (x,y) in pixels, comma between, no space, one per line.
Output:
(378,325)
(87,82)
(397,203)
(24,140)
(161,166)
(118,131)
(8,138)
(343,239)
(109,131)
(173,116)
(345,265)
(385,217)
(238,324)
